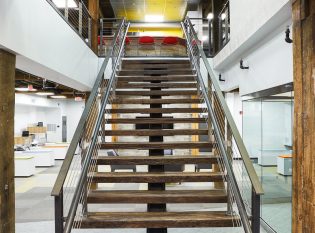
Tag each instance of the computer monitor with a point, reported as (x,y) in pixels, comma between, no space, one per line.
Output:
(25,133)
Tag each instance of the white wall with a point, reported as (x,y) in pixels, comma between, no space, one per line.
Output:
(45,44)
(270,64)
(250,22)
(32,109)
(234,103)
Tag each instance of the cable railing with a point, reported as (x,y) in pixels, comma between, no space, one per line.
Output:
(76,14)
(75,178)
(243,186)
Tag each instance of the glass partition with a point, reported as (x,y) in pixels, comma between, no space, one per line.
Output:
(267,133)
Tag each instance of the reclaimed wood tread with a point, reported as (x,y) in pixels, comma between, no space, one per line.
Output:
(156,61)
(156,145)
(156,110)
(156,160)
(168,78)
(155,177)
(158,219)
(165,196)
(153,71)
(157,93)
(156,101)
(121,85)
(156,132)
(155,120)
(156,65)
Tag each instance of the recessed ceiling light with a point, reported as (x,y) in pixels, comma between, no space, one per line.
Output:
(45,93)
(21,89)
(154,18)
(58,97)
(62,3)
(204,38)
(223,16)
(210,16)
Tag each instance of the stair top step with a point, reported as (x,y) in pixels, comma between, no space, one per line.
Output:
(155,160)
(122,85)
(156,132)
(160,66)
(156,145)
(166,196)
(153,71)
(170,78)
(156,110)
(156,61)
(155,120)
(156,101)
(155,177)
(158,219)
(157,93)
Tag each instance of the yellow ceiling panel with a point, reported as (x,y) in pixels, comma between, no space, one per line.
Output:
(136,10)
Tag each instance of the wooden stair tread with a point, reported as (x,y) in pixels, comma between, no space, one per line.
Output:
(154,71)
(158,219)
(157,65)
(155,120)
(156,110)
(155,160)
(126,85)
(157,93)
(156,132)
(165,196)
(155,177)
(156,61)
(155,145)
(168,78)
(156,101)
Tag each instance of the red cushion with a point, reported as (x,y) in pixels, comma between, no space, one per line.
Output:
(170,40)
(146,40)
(99,40)
(127,40)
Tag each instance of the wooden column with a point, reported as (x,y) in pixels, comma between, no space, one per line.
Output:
(303,216)
(7,195)
(94,9)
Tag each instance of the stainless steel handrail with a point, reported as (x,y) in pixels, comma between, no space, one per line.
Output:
(88,157)
(238,140)
(230,174)
(57,189)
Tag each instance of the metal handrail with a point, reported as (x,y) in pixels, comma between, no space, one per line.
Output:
(238,140)
(220,141)
(57,189)
(88,157)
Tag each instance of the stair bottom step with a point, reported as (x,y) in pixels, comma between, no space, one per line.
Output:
(158,219)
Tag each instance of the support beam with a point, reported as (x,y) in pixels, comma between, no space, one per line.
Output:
(217,6)
(303,14)
(94,9)
(7,195)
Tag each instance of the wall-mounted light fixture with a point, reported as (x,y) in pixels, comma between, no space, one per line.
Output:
(220,78)
(287,36)
(242,66)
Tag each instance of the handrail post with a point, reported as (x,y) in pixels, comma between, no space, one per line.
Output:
(59,213)
(90,32)
(101,38)
(66,10)
(80,18)
(255,212)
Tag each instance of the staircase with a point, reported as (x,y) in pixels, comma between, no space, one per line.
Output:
(148,111)
(159,92)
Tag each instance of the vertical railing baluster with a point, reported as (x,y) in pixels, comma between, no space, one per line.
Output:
(59,213)
(66,10)
(90,31)
(101,37)
(255,212)
(80,18)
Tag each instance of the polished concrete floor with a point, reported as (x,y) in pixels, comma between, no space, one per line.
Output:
(35,206)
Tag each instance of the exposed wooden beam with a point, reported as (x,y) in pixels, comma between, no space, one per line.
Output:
(7,195)
(303,14)
(94,6)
